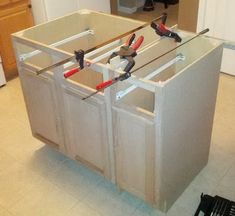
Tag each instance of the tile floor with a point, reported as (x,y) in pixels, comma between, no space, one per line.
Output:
(38,181)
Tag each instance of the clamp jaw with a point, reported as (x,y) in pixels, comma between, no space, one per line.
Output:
(79,56)
(162,30)
(128,52)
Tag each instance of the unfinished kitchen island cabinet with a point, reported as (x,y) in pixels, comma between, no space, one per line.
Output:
(149,134)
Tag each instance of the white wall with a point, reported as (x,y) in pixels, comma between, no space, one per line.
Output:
(59,8)
(98,5)
(39,12)
(219,17)
(45,10)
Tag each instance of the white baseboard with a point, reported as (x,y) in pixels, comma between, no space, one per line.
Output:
(127,9)
(2,75)
(228,63)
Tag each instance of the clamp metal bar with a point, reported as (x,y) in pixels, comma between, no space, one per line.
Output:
(171,50)
(44,48)
(35,52)
(146,47)
(142,83)
(88,55)
(179,57)
(99,46)
(115,80)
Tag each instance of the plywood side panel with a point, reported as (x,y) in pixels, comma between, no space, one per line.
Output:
(186,124)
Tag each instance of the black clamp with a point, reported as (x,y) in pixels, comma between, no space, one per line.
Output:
(162,30)
(79,55)
(128,52)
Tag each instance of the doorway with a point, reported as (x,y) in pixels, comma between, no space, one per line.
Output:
(134,9)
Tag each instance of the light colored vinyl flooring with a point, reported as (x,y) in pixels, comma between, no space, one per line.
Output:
(38,181)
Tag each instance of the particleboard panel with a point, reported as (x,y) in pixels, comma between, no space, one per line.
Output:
(187,111)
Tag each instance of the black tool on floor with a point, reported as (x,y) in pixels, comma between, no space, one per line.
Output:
(162,30)
(215,206)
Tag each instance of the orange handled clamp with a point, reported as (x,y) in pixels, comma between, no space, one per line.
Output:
(79,55)
(127,52)
(162,30)
(71,72)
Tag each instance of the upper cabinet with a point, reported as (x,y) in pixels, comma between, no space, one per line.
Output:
(15,15)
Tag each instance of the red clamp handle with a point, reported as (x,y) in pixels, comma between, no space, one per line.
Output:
(138,43)
(130,40)
(104,85)
(71,72)
(163,28)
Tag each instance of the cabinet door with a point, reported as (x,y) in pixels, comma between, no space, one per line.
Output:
(85,123)
(39,92)
(134,148)
(17,19)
